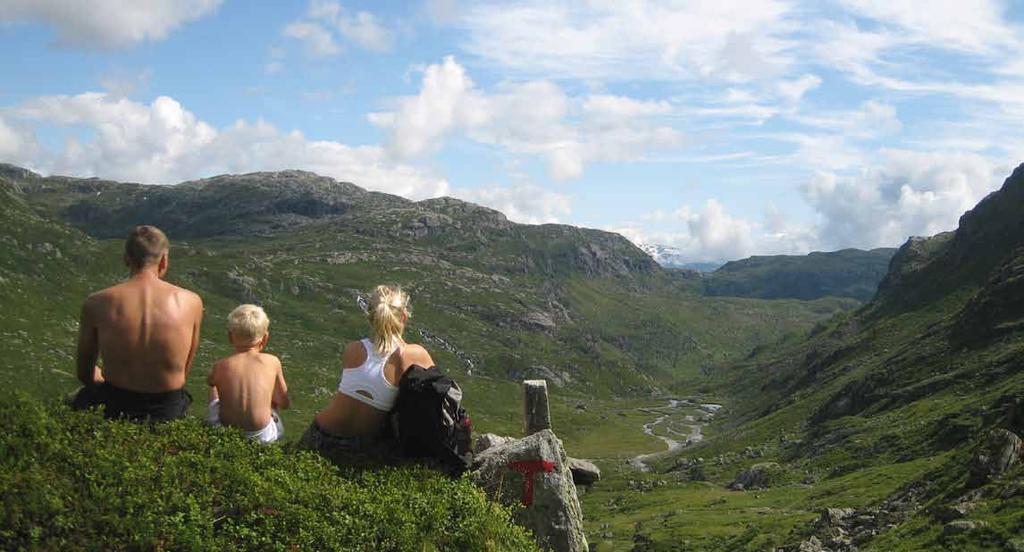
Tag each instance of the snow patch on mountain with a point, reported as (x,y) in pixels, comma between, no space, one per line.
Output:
(670,257)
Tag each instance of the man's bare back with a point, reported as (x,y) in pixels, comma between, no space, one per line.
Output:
(146,331)
(249,385)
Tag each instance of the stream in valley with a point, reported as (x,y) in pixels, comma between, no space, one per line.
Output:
(679,424)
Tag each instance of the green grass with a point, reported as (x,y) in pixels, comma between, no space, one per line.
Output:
(74,481)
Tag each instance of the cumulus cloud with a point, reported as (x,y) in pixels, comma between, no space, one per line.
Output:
(534,118)
(909,193)
(705,234)
(162,142)
(15,143)
(107,24)
(525,203)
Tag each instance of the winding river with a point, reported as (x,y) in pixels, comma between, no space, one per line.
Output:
(676,414)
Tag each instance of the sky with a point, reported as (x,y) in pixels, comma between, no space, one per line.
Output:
(721,128)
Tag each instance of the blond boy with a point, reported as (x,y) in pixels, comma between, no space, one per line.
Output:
(248,387)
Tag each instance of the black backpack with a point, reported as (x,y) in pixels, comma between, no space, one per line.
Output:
(430,421)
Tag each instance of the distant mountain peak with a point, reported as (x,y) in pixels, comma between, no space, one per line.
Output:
(670,257)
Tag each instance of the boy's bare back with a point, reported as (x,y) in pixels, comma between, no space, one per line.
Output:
(249,385)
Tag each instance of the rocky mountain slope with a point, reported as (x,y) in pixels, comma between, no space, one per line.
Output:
(905,417)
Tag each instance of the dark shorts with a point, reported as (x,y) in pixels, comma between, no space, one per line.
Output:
(133,405)
(349,450)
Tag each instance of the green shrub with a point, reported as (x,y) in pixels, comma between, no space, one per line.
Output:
(71,480)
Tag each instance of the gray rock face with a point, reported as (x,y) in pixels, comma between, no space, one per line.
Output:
(488,440)
(1000,451)
(758,476)
(832,517)
(811,545)
(584,472)
(534,472)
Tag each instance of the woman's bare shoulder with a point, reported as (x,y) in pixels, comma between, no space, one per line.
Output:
(354,355)
(417,354)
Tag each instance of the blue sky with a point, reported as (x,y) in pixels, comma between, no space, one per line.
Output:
(721,128)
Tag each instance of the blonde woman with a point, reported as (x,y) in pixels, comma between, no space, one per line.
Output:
(355,421)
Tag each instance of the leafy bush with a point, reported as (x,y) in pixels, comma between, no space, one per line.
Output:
(71,480)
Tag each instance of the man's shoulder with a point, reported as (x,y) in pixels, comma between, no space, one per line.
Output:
(184,293)
(103,295)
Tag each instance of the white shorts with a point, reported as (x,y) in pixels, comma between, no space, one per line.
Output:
(273,431)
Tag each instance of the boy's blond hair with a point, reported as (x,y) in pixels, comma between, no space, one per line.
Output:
(248,322)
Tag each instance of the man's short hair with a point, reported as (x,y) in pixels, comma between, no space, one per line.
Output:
(145,245)
(248,322)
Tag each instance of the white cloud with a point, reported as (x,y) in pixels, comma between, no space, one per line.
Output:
(705,234)
(442,12)
(108,24)
(364,29)
(608,107)
(909,193)
(316,40)
(972,25)
(533,118)
(162,142)
(793,90)
(15,143)
(327,20)
(525,203)
(651,39)
(871,120)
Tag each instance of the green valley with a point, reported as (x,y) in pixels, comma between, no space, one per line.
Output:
(879,407)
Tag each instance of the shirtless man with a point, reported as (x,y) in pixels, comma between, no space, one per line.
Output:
(146,331)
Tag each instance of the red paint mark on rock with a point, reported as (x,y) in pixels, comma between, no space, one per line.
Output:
(528,468)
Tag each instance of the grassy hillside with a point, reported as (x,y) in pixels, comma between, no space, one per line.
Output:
(494,301)
(849,273)
(884,410)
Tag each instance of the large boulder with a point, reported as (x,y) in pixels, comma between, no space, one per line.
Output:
(534,472)
(1000,451)
(584,472)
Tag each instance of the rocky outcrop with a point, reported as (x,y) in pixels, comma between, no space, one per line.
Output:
(1000,451)
(910,260)
(848,529)
(758,476)
(534,472)
(998,307)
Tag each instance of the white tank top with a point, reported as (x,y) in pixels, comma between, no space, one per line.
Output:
(366,383)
